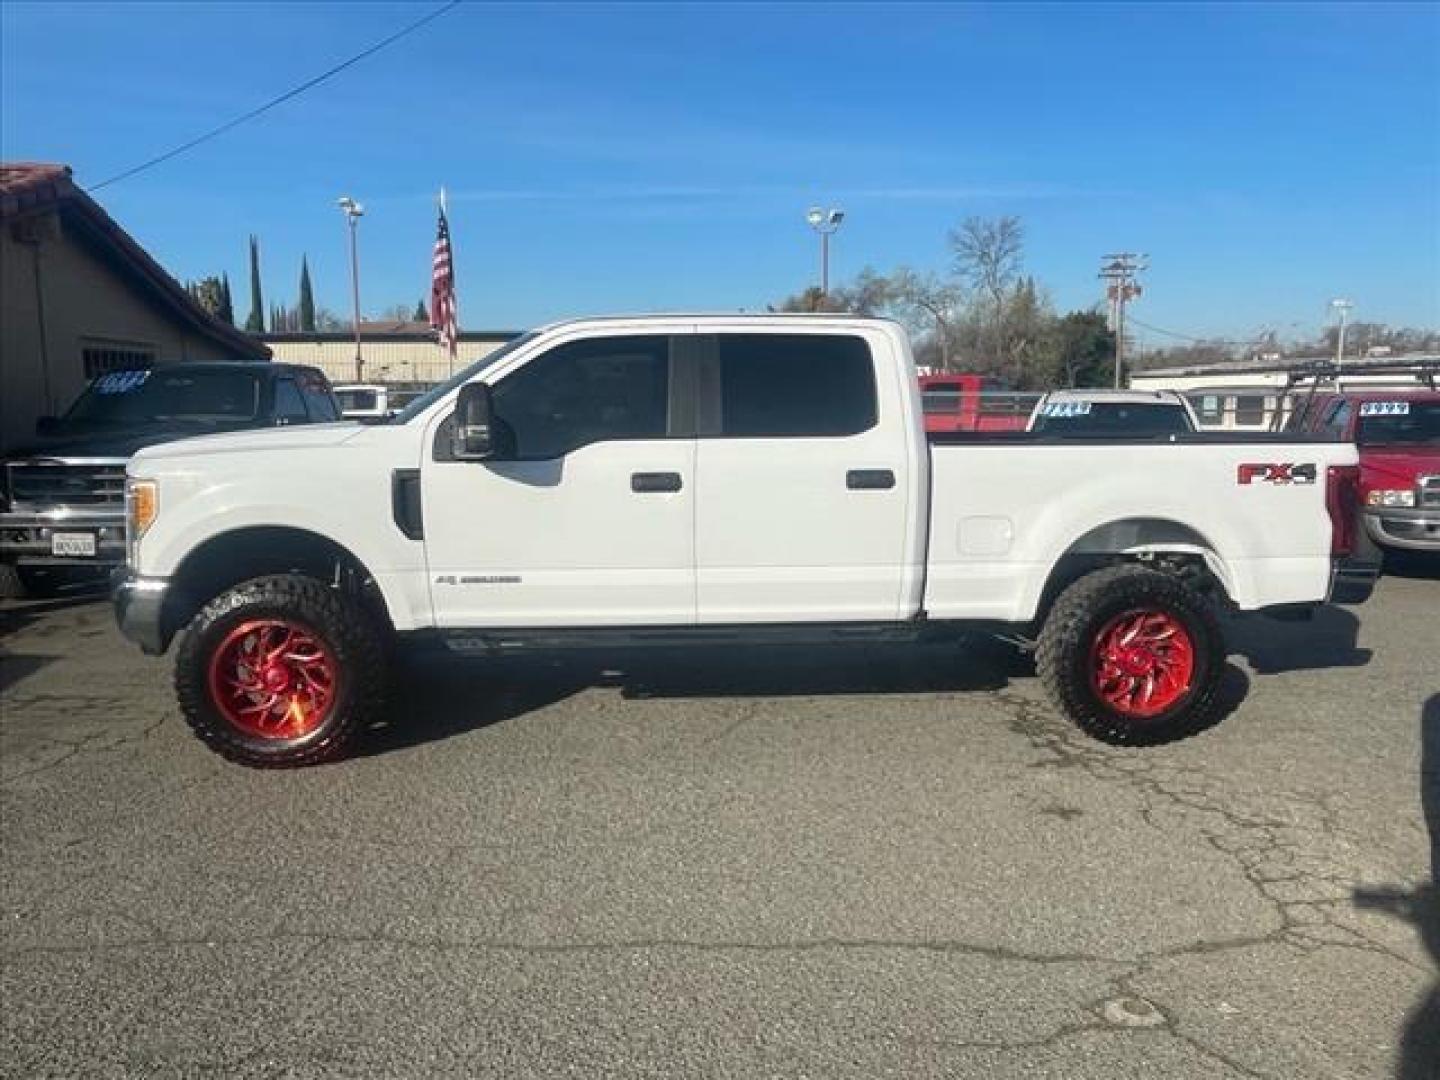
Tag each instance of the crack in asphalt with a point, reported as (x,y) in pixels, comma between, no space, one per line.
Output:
(1120,982)
(481,944)
(1269,838)
(1253,841)
(101,741)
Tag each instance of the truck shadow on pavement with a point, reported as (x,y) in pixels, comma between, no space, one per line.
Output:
(15,668)
(1413,565)
(438,696)
(1272,647)
(1420,1041)
(17,614)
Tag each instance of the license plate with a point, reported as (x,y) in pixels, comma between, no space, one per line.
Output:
(81,544)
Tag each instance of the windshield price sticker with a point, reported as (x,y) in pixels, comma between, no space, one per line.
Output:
(1385,408)
(1066,408)
(120,382)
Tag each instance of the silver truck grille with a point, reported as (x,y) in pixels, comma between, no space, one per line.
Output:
(41,485)
(1429,492)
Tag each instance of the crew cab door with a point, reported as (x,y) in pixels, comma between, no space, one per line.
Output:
(584,516)
(809,480)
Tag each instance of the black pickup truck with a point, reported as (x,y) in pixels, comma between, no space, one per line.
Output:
(62,498)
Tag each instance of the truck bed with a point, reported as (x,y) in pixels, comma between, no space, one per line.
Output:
(1006,508)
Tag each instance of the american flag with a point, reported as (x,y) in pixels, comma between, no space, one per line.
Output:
(444,316)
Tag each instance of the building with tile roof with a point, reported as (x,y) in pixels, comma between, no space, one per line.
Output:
(79,296)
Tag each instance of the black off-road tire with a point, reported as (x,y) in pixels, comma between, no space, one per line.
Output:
(1065,657)
(354,637)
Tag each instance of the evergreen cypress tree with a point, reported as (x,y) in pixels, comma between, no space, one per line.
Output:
(255,323)
(307,298)
(227,308)
(421,315)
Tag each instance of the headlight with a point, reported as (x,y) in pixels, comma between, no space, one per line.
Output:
(142,506)
(1390,498)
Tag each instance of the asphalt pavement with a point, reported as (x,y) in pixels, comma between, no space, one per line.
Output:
(852,862)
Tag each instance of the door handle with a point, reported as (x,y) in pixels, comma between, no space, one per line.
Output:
(869,479)
(643,482)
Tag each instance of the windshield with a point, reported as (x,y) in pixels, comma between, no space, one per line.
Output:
(143,397)
(1396,423)
(435,393)
(1112,418)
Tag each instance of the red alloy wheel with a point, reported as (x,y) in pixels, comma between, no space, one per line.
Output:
(273,679)
(1142,662)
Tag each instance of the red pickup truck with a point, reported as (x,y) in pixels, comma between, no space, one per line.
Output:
(1398,434)
(966,402)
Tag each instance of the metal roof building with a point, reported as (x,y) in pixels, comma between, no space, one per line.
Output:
(402,353)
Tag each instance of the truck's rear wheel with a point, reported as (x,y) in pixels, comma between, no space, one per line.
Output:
(1133,656)
(281,671)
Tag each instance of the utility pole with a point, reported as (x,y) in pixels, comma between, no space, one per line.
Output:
(1343,307)
(1119,271)
(353,212)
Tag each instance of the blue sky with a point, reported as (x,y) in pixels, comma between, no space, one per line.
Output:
(651,157)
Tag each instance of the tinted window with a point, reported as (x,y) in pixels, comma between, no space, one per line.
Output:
(318,399)
(795,385)
(1339,419)
(1118,419)
(289,405)
(1419,423)
(603,389)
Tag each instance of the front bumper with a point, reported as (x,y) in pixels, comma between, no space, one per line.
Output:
(140,609)
(1413,529)
(25,536)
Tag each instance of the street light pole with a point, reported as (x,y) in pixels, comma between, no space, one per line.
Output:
(824,222)
(353,212)
(1343,307)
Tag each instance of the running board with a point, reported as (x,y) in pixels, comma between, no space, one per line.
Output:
(493,642)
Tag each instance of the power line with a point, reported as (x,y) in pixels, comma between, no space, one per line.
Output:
(286,96)
(1191,337)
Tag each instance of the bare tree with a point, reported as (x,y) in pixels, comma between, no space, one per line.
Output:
(925,299)
(868,295)
(327,321)
(989,253)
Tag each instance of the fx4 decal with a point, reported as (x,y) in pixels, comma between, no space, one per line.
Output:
(1268,473)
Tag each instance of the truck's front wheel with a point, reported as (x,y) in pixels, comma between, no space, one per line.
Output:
(280,671)
(1133,656)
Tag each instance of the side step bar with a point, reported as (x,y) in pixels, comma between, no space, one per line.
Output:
(488,642)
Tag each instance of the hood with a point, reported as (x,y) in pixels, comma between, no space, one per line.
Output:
(102,441)
(300,437)
(1397,467)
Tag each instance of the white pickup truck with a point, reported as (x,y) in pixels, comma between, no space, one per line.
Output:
(710,479)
